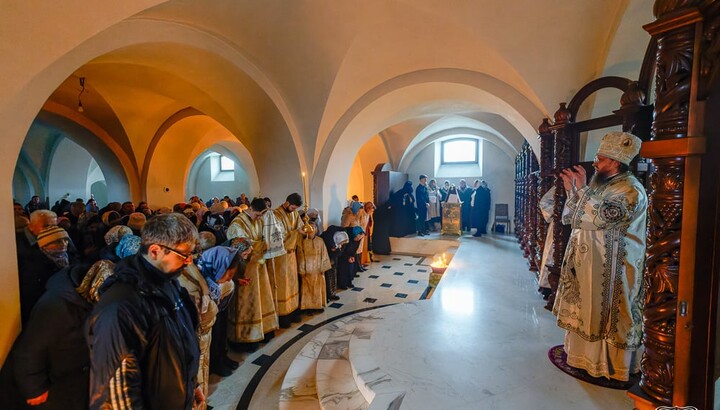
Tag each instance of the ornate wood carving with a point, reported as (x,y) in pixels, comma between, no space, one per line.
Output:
(674,70)
(546,176)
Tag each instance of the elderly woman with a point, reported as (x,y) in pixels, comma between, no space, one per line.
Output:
(219,266)
(112,238)
(346,261)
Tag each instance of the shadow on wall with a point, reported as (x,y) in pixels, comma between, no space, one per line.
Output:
(335,206)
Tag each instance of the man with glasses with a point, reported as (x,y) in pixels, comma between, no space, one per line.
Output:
(141,334)
(252,316)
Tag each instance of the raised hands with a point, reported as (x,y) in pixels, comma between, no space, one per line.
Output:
(574,178)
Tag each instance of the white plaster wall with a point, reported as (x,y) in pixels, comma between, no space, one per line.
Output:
(204,187)
(69,172)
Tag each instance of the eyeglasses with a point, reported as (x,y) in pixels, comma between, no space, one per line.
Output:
(185,257)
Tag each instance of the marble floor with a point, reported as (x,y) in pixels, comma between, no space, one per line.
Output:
(479,342)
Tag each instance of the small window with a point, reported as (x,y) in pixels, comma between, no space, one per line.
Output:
(459,151)
(226,164)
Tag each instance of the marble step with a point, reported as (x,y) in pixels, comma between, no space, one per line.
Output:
(298,391)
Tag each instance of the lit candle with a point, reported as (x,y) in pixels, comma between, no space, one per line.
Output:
(304,188)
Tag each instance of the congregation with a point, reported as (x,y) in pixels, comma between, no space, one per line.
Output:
(128,306)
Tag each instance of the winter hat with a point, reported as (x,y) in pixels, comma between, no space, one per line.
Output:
(94,278)
(620,146)
(137,221)
(111,218)
(128,245)
(50,235)
(116,233)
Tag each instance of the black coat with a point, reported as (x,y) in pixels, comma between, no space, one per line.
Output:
(51,353)
(466,208)
(142,340)
(481,209)
(422,200)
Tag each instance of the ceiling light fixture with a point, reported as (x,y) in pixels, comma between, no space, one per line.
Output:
(82,90)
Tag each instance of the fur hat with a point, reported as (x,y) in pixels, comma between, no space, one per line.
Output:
(50,235)
(620,146)
(136,221)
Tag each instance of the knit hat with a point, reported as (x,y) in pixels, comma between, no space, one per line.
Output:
(116,233)
(137,221)
(111,218)
(620,146)
(128,245)
(50,235)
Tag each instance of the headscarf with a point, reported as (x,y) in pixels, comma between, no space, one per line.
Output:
(128,245)
(94,279)
(355,231)
(340,238)
(356,205)
(116,233)
(317,220)
(214,262)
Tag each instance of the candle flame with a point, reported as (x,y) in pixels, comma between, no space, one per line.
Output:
(440,261)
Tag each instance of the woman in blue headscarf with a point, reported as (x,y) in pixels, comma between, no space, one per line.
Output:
(346,261)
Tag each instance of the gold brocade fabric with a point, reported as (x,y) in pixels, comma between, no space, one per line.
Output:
(451,219)
(252,311)
(283,269)
(313,262)
(599,296)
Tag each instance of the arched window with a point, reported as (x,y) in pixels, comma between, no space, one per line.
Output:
(459,151)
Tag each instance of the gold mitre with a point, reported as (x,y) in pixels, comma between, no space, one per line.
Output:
(620,146)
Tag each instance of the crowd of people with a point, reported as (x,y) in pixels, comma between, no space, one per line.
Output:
(422,212)
(128,307)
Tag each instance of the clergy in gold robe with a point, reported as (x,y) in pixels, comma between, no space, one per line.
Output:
(313,262)
(283,269)
(599,298)
(252,312)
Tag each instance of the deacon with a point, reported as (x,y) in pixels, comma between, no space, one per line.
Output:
(599,299)
(283,269)
(251,316)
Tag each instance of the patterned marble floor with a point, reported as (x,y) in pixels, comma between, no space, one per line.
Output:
(480,342)
(390,279)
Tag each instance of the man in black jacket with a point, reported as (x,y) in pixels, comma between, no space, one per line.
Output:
(423,203)
(143,349)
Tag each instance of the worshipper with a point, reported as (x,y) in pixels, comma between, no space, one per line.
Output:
(38,221)
(129,245)
(314,218)
(346,260)
(603,262)
(39,263)
(34,204)
(403,213)
(283,269)
(435,198)
(243,200)
(91,205)
(163,210)
(444,190)
(112,238)
(127,208)
(207,240)
(313,261)
(252,317)
(465,195)
(335,238)
(50,358)
(348,217)
(136,221)
(480,208)
(144,208)
(222,267)
(452,197)
(381,227)
(111,218)
(365,221)
(422,203)
(18,209)
(141,333)
(21,222)
(215,224)
(546,205)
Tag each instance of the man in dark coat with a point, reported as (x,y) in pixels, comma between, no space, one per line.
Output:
(465,195)
(49,362)
(141,334)
(422,201)
(481,209)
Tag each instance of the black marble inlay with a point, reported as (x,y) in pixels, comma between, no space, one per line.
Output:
(370,300)
(387,266)
(397,259)
(358,289)
(373,276)
(412,281)
(398,273)
(336,305)
(401,295)
(422,270)
(263,360)
(408,264)
(306,328)
(386,285)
